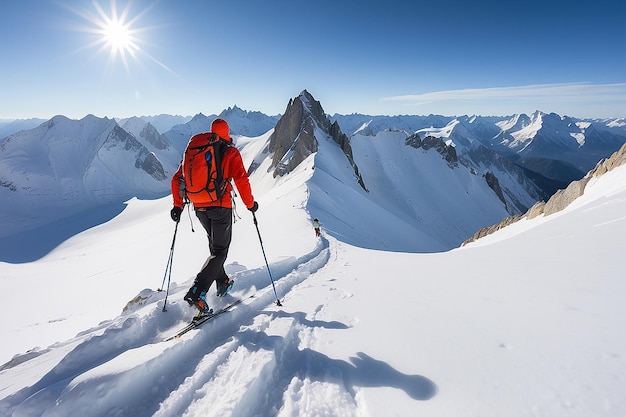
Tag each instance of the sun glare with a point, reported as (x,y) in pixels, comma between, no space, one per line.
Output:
(119,38)
(117,32)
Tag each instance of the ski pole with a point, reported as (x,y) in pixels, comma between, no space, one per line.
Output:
(266,263)
(188,204)
(168,269)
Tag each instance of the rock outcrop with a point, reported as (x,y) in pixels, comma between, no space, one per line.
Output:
(448,152)
(293,139)
(562,198)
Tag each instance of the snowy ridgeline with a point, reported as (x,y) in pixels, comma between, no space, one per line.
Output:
(63,168)
(416,200)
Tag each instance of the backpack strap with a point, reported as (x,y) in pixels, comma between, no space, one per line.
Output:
(220,146)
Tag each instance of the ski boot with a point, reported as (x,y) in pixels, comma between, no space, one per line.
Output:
(224,288)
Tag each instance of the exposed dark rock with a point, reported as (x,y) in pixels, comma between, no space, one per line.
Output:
(153,137)
(146,161)
(151,165)
(494,184)
(293,139)
(562,198)
(448,152)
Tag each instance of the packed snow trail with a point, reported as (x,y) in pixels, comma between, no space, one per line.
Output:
(136,370)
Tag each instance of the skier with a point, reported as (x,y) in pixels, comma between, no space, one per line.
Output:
(215,216)
(316,226)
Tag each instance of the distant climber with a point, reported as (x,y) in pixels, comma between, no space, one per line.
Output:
(316,226)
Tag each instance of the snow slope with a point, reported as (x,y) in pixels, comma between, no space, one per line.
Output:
(525,322)
(63,167)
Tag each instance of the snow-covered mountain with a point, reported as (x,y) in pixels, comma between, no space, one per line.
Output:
(560,148)
(9,127)
(65,166)
(524,322)
(418,198)
(511,183)
(64,176)
(241,122)
(424,174)
(552,150)
(295,137)
(164,122)
(248,123)
(562,198)
(154,141)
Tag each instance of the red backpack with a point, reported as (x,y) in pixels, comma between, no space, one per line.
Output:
(202,168)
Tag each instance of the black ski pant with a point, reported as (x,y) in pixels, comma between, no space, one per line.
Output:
(218,222)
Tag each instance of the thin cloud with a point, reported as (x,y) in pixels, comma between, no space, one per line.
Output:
(571,92)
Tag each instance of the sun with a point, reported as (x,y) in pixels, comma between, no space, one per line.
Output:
(118,33)
(118,36)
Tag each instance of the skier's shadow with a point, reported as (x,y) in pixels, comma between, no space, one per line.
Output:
(361,370)
(365,371)
(300,317)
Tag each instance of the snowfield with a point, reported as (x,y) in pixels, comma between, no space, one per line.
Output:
(525,322)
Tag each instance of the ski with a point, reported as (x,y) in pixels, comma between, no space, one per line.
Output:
(197,323)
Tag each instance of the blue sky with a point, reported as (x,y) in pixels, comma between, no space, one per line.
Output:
(449,57)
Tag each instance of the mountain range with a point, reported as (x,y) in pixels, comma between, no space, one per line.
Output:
(521,322)
(429,182)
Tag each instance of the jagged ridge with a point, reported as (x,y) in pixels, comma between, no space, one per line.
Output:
(561,199)
(293,139)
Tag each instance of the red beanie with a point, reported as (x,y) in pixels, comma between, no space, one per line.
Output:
(221,129)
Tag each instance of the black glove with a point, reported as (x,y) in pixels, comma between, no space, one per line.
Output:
(175,213)
(254,207)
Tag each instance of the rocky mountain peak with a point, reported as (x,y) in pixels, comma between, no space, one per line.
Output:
(293,139)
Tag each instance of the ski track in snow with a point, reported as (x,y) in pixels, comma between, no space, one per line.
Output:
(256,360)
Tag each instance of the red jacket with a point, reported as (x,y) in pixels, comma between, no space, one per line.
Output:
(234,169)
